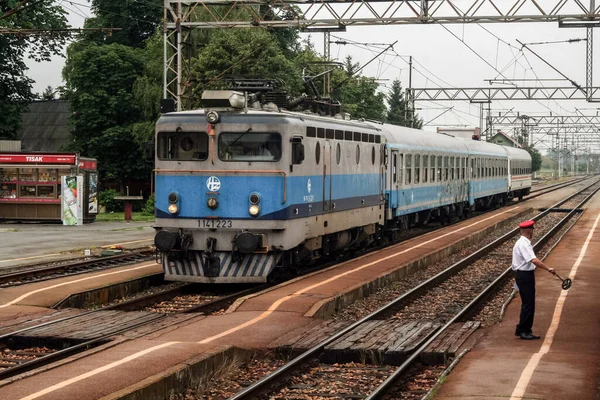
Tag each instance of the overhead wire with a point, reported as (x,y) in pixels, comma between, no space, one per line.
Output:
(113,13)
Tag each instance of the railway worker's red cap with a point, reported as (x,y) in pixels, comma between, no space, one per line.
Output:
(527,224)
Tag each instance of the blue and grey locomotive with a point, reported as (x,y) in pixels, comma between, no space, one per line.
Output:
(242,193)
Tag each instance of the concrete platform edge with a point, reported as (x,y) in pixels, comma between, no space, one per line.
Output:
(190,374)
(241,300)
(325,308)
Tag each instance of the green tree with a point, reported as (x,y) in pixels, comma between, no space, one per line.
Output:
(399,113)
(358,94)
(244,53)
(536,158)
(148,91)
(48,93)
(15,86)
(100,82)
(138,21)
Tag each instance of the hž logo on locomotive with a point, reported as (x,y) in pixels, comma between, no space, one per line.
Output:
(213,184)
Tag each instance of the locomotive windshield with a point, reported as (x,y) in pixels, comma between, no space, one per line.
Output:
(249,146)
(183,146)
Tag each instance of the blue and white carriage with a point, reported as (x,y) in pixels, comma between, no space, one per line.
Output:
(241,193)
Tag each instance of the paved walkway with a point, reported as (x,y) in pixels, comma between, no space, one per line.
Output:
(28,243)
(565,363)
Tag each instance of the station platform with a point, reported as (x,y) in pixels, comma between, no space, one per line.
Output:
(253,323)
(123,366)
(31,243)
(565,362)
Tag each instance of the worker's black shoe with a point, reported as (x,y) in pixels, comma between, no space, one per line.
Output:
(528,336)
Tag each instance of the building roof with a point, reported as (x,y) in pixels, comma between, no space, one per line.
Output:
(513,141)
(45,126)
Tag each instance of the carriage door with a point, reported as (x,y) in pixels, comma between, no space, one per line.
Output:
(396,168)
(327,167)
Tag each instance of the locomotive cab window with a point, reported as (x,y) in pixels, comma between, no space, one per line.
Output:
(180,146)
(249,146)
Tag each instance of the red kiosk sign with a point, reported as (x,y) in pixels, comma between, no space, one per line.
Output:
(38,158)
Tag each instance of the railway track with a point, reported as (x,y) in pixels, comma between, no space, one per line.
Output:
(375,383)
(42,344)
(62,269)
(19,359)
(180,300)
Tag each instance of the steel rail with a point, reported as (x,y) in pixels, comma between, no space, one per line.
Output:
(37,272)
(27,366)
(557,186)
(154,297)
(388,383)
(51,357)
(253,390)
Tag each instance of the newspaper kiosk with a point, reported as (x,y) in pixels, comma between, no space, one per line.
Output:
(31,185)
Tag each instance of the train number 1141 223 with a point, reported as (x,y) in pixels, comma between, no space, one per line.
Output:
(215,223)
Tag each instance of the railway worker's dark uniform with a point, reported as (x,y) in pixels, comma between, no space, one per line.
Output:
(524,268)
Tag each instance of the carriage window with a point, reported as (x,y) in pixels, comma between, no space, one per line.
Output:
(338,154)
(425,168)
(439,168)
(249,146)
(452,168)
(189,146)
(311,131)
(472,168)
(463,166)
(417,168)
(408,168)
(357,154)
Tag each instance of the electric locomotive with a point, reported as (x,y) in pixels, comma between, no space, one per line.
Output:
(243,192)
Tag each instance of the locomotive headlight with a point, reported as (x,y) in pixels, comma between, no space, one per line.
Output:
(173,208)
(173,197)
(212,203)
(254,198)
(212,117)
(254,210)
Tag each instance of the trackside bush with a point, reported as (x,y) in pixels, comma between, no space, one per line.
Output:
(106,198)
(149,206)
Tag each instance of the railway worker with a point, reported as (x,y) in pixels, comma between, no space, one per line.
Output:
(524,263)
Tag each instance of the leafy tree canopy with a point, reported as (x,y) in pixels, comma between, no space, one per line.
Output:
(245,53)
(358,95)
(536,158)
(138,21)
(100,81)
(15,86)
(399,112)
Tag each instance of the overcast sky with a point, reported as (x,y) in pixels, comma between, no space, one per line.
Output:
(439,60)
